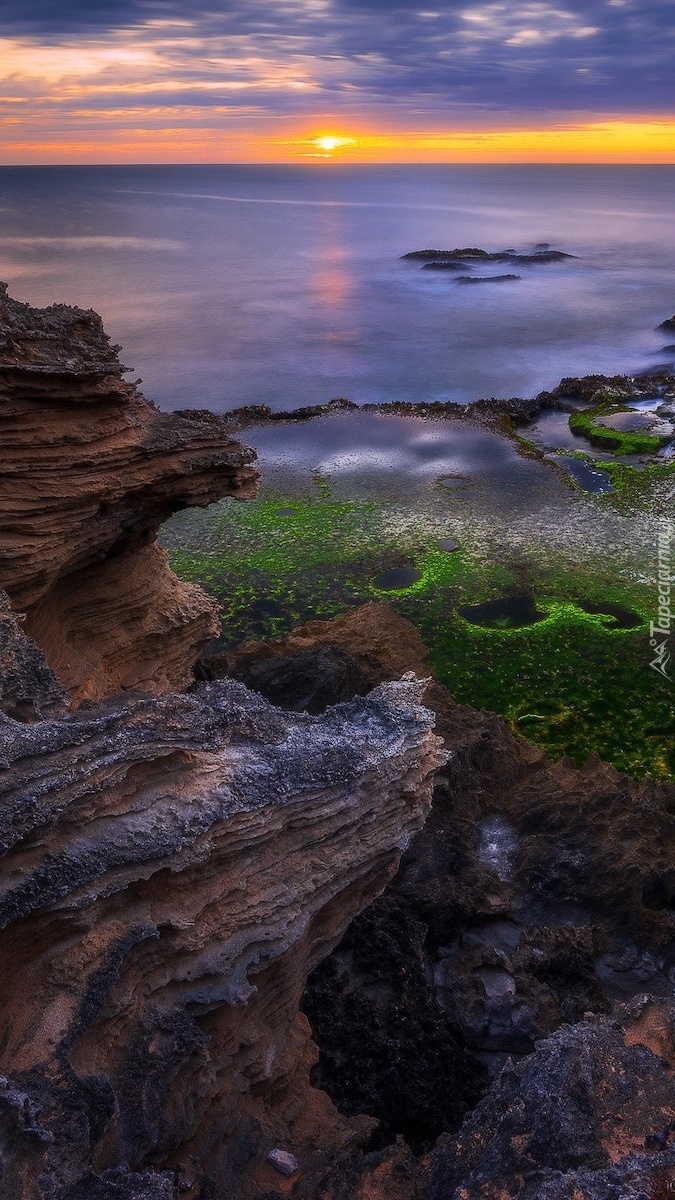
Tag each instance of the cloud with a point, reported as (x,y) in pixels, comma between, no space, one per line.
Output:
(452,62)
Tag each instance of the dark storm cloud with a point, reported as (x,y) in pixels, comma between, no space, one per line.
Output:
(45,18)
(605,55)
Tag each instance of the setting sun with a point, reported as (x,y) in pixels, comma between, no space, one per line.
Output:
(328,143)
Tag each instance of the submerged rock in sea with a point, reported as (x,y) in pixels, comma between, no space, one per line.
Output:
(436,258)
(487,278)
(90,469)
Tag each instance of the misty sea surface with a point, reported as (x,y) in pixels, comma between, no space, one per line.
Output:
(284,285)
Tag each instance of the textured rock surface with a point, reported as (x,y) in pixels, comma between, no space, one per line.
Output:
(28,688)
(309,680)
(172,869)
(89,470)
(171,866)
(535,893)
(590,1115)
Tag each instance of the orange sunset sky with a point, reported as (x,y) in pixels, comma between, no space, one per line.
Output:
(327,80)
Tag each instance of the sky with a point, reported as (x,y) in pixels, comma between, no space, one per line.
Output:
(348,80)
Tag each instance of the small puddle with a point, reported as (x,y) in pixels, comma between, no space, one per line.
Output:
(509,612)
(454,483)
(285,512)
(589,478)
(628,422)
(448,544)
(625,618)
(396,578)
(266,607)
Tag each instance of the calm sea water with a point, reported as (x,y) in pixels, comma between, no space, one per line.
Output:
(231,285)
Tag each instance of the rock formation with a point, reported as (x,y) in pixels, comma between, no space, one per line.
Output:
(536,893)
(172,866)
(89,471)
(588,1116)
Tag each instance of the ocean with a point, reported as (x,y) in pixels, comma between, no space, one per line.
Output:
(285,285)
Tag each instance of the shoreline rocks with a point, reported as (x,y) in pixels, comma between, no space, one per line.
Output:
(90,470)
(536,893)
(172,864)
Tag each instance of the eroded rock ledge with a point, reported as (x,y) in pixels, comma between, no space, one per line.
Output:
(536,895)
(172,870)
(90,469)
(172,866)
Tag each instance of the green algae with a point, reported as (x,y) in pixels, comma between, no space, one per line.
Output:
(574,683)
(617,441)
(649,488)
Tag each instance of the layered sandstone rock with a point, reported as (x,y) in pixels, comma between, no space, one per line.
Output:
(172,866)
(172,870)
(89,471)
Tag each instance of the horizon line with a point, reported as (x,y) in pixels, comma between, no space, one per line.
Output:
(327,164)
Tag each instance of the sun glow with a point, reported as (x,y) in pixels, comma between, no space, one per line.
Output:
(641,140)
(327,143)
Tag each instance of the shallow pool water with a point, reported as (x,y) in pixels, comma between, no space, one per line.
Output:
(372,520)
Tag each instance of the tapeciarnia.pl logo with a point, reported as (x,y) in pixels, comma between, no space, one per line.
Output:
(660,629)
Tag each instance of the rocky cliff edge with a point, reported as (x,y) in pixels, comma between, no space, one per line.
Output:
(172,865)
(89,471)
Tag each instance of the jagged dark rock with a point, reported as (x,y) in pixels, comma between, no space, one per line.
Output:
(588,1116)
(487,278)
(386,1047)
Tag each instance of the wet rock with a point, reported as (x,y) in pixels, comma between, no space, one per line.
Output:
(435,258)
(446,264)
(487,278)
(668,324)
(123,1184)
(462,252)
